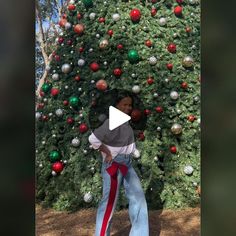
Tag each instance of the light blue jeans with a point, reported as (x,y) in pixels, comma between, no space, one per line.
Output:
(114,174)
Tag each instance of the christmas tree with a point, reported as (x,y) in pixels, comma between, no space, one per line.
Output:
(150,48)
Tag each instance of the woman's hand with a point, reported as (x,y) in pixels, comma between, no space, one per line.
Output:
(108,159)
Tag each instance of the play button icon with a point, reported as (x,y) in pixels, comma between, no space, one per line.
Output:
(117,118)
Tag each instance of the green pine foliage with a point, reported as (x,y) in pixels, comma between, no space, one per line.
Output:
(161,172)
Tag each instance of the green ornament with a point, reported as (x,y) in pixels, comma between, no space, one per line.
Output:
(54,156)
(88,3)
(46,87)
(74,101)
(133,56)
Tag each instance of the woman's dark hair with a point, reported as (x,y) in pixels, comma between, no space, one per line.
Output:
(123,94)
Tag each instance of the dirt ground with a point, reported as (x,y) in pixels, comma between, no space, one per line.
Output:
(81,223)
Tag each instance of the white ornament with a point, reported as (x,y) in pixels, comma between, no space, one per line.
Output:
(50,114)
(92,16)
(116,17)
(158,128)
(162,21)
(47,68)
(55,76)
(88,197)
(59,112)
(155,158)
(54,173)
(72,2)
(85,151)
(81,62)
(123,27)
(92,81)
(175,35)
(40,165)
(196,99)
(75,142)
(67,25)
(136,154)
(136,89)
(91,50)
(66,68)
(71,52)
(105,63)
(43,142)
(174,95)
(98,36)
(155,95)
(188,170)
(65,161)
(178,111)
(167,80)
(133,75)
(152,60)
(199,120)
(81,115)
(38,115)
(79,89)
(195,184)
(54,136)
(66,87)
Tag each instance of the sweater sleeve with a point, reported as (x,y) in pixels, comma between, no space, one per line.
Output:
(95,142)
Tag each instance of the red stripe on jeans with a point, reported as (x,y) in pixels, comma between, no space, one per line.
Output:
(111,200)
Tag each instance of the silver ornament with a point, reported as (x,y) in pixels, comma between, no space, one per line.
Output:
(65,161)
(162,21)
(66,87)
(187,62)
(50,114)
(199,120)
(72,2)
(152,60)
(196,99)
(43,142)
(47,68)
(92,16)
(98,36)
(105,63)
(136,154)
(155,95)
(116,17)
(55,76)
(178,111)
(92,81)
(45,100)
(167,80)
(59,112)
(175,35)
(176,128)
(54,136)
(91,50)
(81,115)
(133,75)
(103,44)
(67,25)
(79,89)
(155,158)
(81,62)
(40,165)
(88,197)
(71,52)
(188,170)
(102,117)
(136,89)
(123,27)
(66,68)
(75,142)
(174,95)
(85,151)
(195,184)
(194,47)
(38,115)
(158,129)
(54,173)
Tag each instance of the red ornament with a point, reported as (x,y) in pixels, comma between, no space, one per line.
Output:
(135,15)
(154,1)
(77,78)
(64,16)
(69,42)
(178,11)
(117,72)
(101,20)
(148,43)
(83,128)
(41,93)
(159,109)
(60,40)
(79,29)
(191,118)
(70,120)
(94,66)
(62,22)
(45,118)
(40,106)
(57,57)
(110,32)
(120,46)
(55,92)
(179,1)
(101,85)
(188,30)
(57,167)
(153,11)
(71,7)
(147,112)
(81,49)
(136,115)
(173,149)
(184,85)
(65,103)
(79,16)
(150,80)
(171,48)
(141,136)
(169,66)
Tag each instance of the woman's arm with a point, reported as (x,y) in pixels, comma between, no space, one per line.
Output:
(104,149)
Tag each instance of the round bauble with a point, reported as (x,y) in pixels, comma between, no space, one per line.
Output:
(75,142)
(66,68)
(176,128)
(59,112)
(88,197)
(152,60)
(188,170)
(55,76)
(101,85)
(116,17)
(81,62)
(136,89)
(103,44)
(79,29)
(174,95)
(57,167)
(187,62)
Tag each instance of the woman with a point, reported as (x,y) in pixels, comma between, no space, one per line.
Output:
(116,147)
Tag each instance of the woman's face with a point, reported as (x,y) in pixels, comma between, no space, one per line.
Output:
(125,105)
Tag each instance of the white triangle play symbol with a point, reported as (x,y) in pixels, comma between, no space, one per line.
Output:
(116,118)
